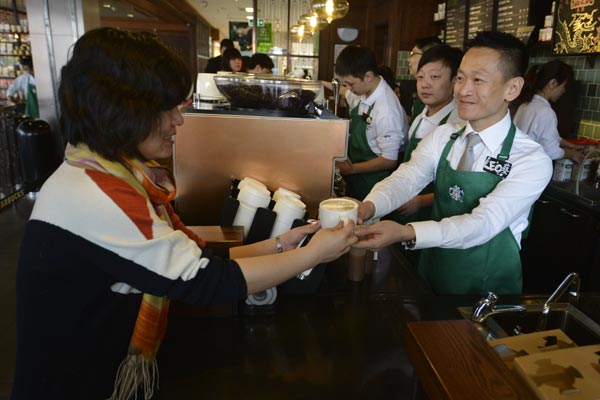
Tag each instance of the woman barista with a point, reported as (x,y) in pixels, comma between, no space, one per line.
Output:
(104,251)
(546,84)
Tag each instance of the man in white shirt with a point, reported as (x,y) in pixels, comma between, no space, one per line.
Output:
(435,86)
(19,87)
(471,245)
(378,124)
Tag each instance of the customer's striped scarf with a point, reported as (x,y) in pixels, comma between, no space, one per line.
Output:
(138,369)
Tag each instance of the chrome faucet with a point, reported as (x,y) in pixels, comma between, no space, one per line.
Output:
(571,283)
(487,307)
(335,84)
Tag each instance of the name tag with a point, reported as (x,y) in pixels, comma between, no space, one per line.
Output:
(497,167)
(367,118)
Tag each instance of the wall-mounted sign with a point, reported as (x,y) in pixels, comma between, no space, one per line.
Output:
(577,28)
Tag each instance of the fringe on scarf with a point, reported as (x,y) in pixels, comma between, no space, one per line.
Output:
(133,373)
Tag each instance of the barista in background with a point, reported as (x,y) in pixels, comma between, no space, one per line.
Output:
(260,63)
(378,124)
(421,46)
(232,60)
(214,64)
(23,88)
(435,86)
(545,84)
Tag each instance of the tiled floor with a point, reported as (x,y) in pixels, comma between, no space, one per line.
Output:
(12,224)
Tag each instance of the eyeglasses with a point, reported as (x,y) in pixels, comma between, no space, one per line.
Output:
(415,53)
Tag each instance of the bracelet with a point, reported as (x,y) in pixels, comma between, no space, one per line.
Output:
(278,244)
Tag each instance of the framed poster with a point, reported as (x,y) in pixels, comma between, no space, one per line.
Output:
(577,27)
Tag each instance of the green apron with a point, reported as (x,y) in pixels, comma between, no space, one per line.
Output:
(31,106)
(493,266)
(359,185)
(423,214)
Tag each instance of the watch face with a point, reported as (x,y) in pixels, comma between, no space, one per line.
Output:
(347,34)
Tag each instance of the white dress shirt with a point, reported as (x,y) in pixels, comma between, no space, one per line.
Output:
(538,120)
(507,205)
(388,130)
(20,85)
(429,124)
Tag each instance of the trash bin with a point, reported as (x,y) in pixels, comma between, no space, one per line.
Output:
(37,151)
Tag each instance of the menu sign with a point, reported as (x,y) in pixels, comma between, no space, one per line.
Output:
(577,29)
(455,22)
(481,14)
(512,14)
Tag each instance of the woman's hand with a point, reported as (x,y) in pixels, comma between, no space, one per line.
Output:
(331,243)
(382,234)
(291,239)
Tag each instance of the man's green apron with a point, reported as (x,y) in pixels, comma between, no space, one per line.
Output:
(359,185)
(493,266)
(423,214)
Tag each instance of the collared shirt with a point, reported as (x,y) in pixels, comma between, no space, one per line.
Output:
(538,120)
(20,84)
(388,130)
(507,205)
(429,124)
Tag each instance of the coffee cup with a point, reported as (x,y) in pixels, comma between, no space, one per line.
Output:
(334,210)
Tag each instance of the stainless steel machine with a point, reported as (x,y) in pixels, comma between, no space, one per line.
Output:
(213,147)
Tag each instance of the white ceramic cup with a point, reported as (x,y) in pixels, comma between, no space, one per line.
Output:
(332,211)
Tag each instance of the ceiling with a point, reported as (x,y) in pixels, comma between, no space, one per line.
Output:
(217,13)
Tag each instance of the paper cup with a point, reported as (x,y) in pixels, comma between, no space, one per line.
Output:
(332,211)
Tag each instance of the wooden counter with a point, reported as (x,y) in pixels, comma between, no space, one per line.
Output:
(453,361)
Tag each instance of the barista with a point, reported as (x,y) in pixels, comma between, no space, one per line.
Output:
(378,124)
(435,86)
(421,46)
(486,175)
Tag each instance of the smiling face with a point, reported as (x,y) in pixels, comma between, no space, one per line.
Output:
(435,86)
(159,144)
(482,90)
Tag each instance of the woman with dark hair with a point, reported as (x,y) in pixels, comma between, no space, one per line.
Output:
(104,252)
(545,84)
(232,60)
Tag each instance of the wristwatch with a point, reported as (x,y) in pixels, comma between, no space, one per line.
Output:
(409,244)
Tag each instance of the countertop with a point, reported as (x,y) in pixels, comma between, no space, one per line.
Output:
(342,342)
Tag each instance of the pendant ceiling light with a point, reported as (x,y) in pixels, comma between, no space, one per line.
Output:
(312,22)
(330,9)
(300,31)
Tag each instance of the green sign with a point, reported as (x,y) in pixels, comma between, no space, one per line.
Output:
(264,36)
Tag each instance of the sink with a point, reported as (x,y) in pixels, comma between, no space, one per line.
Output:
(588,195)
(574,323)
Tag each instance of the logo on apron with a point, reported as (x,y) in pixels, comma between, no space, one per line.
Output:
(456,193)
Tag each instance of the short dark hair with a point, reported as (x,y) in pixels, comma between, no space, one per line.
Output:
(260,59)
(228,55)
(356,61)
(513,53)
(388,75)
(26,61)
(114,88)
(227,43)
(449,56)
(538,77)
(427,42)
